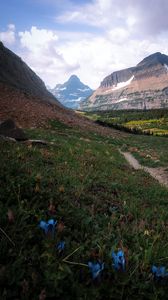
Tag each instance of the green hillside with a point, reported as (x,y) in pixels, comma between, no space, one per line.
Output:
(100,203)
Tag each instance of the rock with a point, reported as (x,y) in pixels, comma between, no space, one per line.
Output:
(38,142)
(8,124)
(31,143)
(9,129)
(7,139)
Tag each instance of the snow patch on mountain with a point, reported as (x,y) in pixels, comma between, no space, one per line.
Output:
(122,99)
(120,85)
(84,90)
(166,67)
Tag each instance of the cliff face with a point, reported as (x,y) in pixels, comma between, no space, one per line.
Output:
(142,87)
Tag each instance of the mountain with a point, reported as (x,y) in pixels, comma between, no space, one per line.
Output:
(72,92)
(25,100)
(144,86)
(23,95)
(16,73)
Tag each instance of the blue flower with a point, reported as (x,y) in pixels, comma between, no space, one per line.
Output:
(159,272)
(60,246)
(95,268)
(49,226)
(118,260)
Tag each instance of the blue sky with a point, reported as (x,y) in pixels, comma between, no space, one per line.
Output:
(24,13)
(91,39)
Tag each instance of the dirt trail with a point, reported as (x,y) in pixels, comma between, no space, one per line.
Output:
(160,174)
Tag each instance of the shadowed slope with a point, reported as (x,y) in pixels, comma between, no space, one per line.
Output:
(16,73)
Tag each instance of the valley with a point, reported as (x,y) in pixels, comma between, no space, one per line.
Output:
(75,188)
(149,122)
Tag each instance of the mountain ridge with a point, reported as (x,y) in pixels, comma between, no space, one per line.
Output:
(144,86)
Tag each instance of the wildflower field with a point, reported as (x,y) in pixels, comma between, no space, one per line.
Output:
(152,122)
(77,222)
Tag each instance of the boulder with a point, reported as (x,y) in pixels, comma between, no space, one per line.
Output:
(8,128)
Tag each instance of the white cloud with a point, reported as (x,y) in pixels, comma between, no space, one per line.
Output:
(8,37)
(55,56)
(11,27)
(90,14)
(140,16)
(35,38)
(101,14)
(118,35)
(41,52)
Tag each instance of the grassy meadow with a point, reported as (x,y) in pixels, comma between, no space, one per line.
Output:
(100,203)
(150,122)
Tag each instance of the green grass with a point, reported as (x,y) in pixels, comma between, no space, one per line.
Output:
(152,122)
(149,150)
(103,204)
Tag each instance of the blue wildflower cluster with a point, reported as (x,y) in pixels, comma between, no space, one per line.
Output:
(118,263)
(159,272)
(60,246)
(49,228)
(118,260)
(96,268)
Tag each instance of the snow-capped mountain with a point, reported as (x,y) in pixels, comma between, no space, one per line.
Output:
(72,92)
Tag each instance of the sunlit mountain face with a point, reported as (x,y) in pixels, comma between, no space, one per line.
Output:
(144,86)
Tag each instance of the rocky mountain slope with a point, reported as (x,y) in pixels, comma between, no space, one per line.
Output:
(23,95)
(17,74)
(72,92)
(25,99)
(144,86)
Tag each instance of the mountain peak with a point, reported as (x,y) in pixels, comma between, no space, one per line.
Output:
(72,92)
(144,86)
(154,58)
(73,78)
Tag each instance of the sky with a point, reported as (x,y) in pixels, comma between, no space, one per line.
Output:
(89,38)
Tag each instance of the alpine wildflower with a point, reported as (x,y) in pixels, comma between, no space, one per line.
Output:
(96,268)
(118,260)
(159,272)
(60,246)
(49,226)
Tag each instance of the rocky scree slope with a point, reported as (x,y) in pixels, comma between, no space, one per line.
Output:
(144,86)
